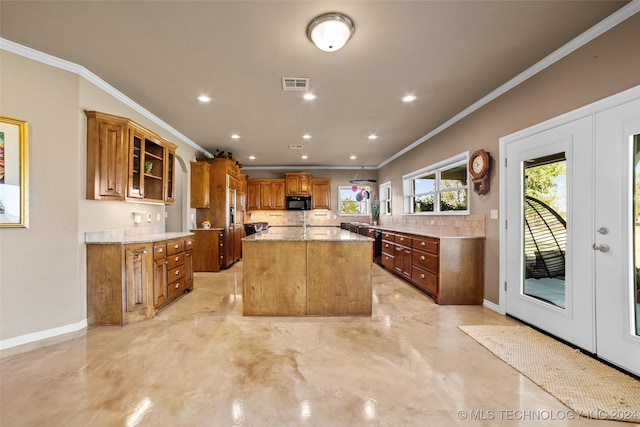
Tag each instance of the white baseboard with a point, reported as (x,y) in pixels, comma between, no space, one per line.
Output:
(493,306)
(41,335)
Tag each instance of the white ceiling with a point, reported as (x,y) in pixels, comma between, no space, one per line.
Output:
(162,54)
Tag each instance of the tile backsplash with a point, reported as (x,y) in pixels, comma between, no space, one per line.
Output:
(463,225)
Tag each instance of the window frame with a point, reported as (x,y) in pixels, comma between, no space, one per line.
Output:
(385,198)
(366,202)
(408,195)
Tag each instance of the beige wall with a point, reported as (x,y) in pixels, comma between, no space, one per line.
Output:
(42,268)
(607,65)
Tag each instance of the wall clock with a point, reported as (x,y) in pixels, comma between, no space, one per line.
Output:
(479,167)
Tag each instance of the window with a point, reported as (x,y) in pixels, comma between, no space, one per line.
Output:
(439,188)
(352,202)
(385,198)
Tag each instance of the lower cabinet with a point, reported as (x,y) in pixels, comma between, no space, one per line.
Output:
(449,269)
(128,282)
(208,250)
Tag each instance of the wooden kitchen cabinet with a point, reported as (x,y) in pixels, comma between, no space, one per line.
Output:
(208,249)
(107,148)
(320,193)
(128,162)
(297,184)
(200,188)
(119,278)
(450,269)
(160,289)
(265,194)
(402,261)
(128,282)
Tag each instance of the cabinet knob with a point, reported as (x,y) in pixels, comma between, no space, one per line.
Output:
(160,250)
(177,272)
(188,255)
(402,239)
(423,243)
(422,276)
(177,258)
(176,246)
(144,252)
(177,285)
(422,258)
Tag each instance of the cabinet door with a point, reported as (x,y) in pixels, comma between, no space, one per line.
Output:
(321,194)
(278,195)
(160,293)
(169,194)
(106,158)
(200,188)
(188,269)
(137,263)
(136,164)
(265,195)
(253,195)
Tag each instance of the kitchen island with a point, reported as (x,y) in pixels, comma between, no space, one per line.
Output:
(306,271)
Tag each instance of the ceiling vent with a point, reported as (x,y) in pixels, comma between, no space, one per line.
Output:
(295,84)
(296,146)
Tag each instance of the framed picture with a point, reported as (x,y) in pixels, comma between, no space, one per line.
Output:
(14,173)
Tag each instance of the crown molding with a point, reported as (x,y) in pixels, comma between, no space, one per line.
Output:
(606,24)
(71,67)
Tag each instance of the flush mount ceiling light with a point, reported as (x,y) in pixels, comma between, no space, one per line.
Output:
(330,31)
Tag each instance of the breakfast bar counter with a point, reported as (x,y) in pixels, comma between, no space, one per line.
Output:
(306,271)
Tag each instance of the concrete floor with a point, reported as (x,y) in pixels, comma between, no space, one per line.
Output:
(200,363)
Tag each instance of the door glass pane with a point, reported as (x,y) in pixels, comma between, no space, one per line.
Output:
(635,286)
(545,228)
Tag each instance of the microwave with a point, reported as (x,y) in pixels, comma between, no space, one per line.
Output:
(300,203)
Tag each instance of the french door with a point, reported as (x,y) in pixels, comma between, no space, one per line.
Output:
(572,205)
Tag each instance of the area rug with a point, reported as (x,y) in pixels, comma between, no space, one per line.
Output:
(590,388)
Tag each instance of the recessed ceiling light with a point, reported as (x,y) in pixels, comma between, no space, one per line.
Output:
(235,136)
(409,98)
(252,157)
(304,157)
(309,96)
(306,136)
(373,136)
(353,157)
(205,98)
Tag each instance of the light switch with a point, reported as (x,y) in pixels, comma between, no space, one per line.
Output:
(494,214)
(149,217)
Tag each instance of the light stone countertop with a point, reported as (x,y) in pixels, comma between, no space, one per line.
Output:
(127,236)
(426,232)
(308,234)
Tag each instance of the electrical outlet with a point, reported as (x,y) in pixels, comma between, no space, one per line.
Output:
(158,217)
(494,214)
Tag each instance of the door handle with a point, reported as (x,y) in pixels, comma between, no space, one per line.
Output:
(602,248)
(603,230)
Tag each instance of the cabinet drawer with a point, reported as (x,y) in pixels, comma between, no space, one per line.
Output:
(188,243)
(403,240)
(425,280)
(177,288)
(388,261)
(175,246)
(175,274)
(425,261)
(388,247)
(426,244)
(159,251)
(175,260)
(388,236)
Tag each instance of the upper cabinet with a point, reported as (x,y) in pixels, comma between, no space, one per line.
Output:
(124,155)
(320,193)
(200,188)
(298,184)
